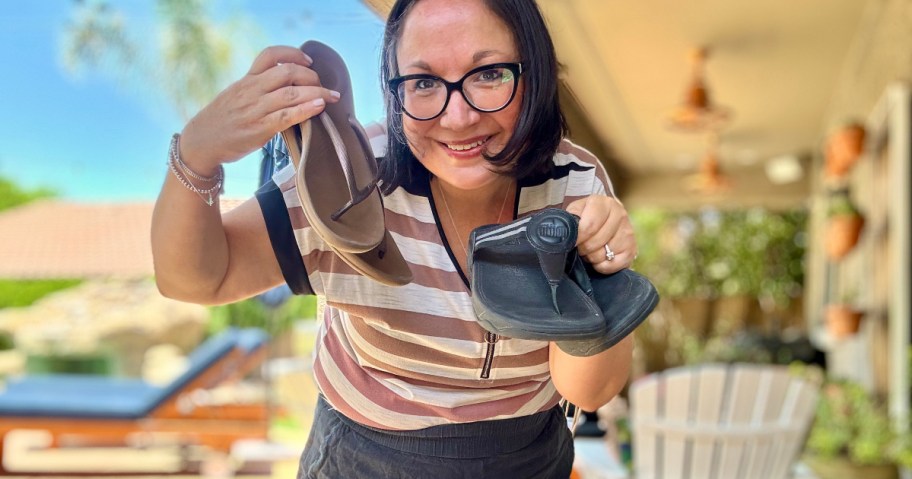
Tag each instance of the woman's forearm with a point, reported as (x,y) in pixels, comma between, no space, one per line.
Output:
(590,382)
(189,247)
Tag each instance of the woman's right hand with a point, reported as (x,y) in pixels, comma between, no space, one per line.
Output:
(279,91)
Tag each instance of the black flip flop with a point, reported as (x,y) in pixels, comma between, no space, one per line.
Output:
(626,299)
(519,263)
(520,287)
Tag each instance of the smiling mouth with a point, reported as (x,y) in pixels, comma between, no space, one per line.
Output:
(466,146)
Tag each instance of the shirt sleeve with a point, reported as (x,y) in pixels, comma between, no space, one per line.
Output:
(282,238)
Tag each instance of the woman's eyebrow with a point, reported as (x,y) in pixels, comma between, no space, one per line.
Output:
(481,55)
(421,65)
(476,58)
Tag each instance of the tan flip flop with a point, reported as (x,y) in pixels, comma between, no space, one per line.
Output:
(337,177)
(382,262)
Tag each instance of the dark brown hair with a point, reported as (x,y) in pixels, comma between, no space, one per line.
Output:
(541,123)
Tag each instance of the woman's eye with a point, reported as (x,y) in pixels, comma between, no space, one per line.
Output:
(492,75)
(425,84)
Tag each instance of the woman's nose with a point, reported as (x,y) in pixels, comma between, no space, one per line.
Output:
(458,114)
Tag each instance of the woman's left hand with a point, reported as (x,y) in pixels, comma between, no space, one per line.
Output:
(604,222)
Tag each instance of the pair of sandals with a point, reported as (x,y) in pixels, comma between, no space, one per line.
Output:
(528,282)
(336,178)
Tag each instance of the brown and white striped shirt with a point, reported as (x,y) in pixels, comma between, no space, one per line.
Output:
(414,356)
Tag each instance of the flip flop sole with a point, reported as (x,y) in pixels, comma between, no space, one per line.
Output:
(384,263)
(626,299)
(337,167)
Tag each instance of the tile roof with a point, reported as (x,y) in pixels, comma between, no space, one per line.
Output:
(58,239)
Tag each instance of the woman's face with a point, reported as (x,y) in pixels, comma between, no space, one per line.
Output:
(447,38)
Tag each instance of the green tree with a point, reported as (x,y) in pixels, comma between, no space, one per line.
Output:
(190,57)
(12,195)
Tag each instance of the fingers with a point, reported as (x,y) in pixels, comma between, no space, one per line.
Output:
(287,74)
(279,91)
(598,229)
(292,105)
(275,55)
(604,221)
(289,91)
(624,250)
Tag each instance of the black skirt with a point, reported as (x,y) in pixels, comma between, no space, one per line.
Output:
(538,446)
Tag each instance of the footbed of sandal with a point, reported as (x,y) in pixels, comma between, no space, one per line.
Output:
(519,285)
(337,173)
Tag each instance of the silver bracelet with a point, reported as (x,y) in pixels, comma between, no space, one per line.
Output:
(181,172)
(174,152)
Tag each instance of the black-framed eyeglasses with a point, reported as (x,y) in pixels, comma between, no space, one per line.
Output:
(488,88)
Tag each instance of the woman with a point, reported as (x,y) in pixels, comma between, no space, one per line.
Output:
(409,388)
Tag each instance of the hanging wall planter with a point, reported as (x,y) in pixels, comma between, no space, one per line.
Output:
(844,148)
(843,320)
(844,226)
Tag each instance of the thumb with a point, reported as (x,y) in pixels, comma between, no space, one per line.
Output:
(577,207)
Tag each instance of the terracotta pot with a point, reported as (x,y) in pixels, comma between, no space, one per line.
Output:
(843,320)
(842,235)
(843,150)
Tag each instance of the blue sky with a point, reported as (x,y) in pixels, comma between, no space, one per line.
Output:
(93,138)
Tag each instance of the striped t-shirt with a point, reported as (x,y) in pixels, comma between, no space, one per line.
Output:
(414,356)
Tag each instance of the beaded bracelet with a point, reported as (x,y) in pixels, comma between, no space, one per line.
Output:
(183,174)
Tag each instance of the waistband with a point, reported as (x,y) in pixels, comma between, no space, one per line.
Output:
(461,441)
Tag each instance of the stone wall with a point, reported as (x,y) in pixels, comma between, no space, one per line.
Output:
(120,317)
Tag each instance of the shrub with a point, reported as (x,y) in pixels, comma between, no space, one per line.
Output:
(21,293)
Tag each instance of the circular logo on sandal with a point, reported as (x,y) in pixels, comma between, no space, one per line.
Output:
(552,230)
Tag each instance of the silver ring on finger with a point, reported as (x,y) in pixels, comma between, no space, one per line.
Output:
(609,255)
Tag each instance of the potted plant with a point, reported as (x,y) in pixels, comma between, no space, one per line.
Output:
(843,320)
(843,149)
(852,435)
(844,226)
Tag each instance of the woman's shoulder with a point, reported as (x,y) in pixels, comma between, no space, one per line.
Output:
(569,152)
(377,137)
(580,164)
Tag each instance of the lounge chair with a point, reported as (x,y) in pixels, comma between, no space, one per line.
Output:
(111,409)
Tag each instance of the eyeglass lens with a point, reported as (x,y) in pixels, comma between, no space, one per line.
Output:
(487,90)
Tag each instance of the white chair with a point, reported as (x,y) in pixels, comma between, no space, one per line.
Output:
(737,421)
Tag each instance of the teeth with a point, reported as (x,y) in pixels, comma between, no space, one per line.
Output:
(464,147)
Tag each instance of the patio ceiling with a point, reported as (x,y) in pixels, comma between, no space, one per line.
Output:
(775,64)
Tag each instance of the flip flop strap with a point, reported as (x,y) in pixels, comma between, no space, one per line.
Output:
(357,194)
(554,244)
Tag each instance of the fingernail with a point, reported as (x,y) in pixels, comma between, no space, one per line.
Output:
(309,60)
(335,94)
(319,102)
